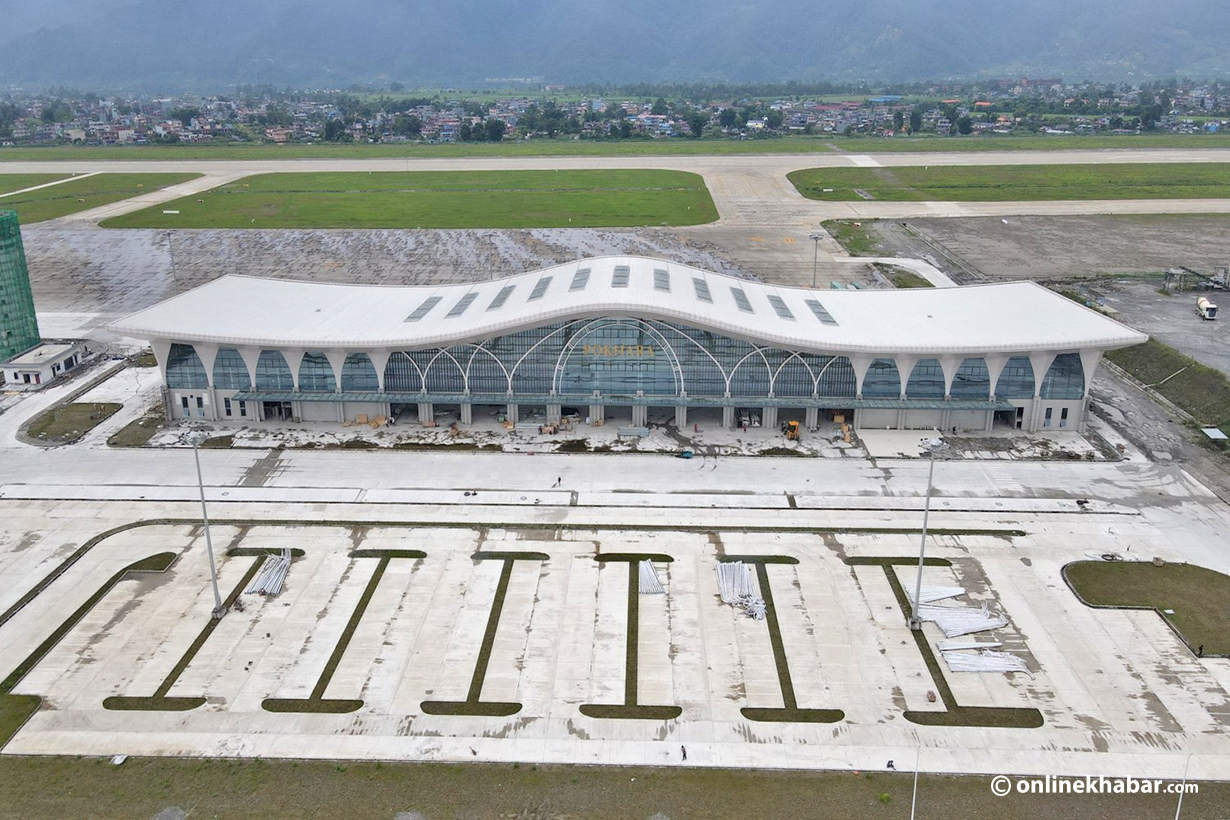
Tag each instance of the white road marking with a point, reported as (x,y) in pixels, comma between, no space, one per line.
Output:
(864,161)
(49,184)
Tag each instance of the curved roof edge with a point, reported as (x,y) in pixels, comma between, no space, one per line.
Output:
(1015,317)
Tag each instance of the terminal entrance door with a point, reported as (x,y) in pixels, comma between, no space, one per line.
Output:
(277,411)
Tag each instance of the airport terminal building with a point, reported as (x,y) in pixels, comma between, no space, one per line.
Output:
(627,339)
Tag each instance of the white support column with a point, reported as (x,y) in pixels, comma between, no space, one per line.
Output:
(728,417)
(555,413)
(250,356)
(337,360)
(995,366)
(426,412)
(294,358)
(950,365)
(380,360)
(905,369)
(1089,365)
(681,416)
(162,351)
(860,365)
(467,413)
(768,416)
(208,354)
(1041,363)
(597,413)
(512,411)
(812,418)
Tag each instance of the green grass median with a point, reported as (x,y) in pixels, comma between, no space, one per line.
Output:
(83,194)
(1012,183)
(440,199)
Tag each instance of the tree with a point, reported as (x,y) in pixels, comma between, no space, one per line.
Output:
(335,130)
(916,116)
(625,129)
(495,129)
(898,121)
(48,114)
(465,132)
(697,122)
(728,118)
(774,118)
(965,125)
(184,114)
(660,107)
(396,86)
(410,126)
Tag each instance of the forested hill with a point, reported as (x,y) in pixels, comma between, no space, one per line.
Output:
(155,44)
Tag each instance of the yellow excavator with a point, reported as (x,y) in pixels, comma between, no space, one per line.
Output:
(790,430)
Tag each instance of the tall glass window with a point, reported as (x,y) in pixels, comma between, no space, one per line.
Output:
(316,374)
(1017,379)
(882,380)
(1065,379)
(359,374)
(185,370)
(973,380)
(230,372)
(272,372)
(926,380)
(486,374)
(400,375)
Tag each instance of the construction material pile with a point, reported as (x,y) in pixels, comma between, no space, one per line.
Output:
(967,655)
(268,581)
(649,583)
(736,587)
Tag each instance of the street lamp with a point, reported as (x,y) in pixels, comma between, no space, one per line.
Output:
(815,257)
(195,439)
(933,447)
(171,253)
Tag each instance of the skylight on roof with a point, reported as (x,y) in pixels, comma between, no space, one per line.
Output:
(540,287)
(423,309)
(702,290)
(619,279)
(741,300)
(661,280)
(823,315)
(462,303)
(501,297)
(579,279)
(780,306)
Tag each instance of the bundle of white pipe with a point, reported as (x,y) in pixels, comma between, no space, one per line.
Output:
(937,593)
(735,581)
(649,583)
(985,661)
(957,621)
(268,581)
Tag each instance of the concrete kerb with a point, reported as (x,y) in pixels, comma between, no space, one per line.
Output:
(22,432)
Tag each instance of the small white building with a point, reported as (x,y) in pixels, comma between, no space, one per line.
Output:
(41,365)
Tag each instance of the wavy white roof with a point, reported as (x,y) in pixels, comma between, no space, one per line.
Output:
(1015,317)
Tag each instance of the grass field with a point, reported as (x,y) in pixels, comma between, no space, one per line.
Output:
(443,199)
(1198,597)
(59,787)
(851,235)
(601,148)
(66,424)
(989,183)
(903,277)
(15,182)
(81,195)
(1202,391)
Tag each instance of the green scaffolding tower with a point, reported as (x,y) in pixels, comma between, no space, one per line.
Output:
(18,325)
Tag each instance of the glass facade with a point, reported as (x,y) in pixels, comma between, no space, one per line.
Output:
(972,381)
(1016,381)
(185,370)
(230,372)
(272,372)
(1065,379)
(926,381)
(618,358)
(18,325)
(316,374)
(359,374)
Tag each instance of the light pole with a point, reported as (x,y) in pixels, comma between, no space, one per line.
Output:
(219,611)
(815,257)
(931,446)
(171,253)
